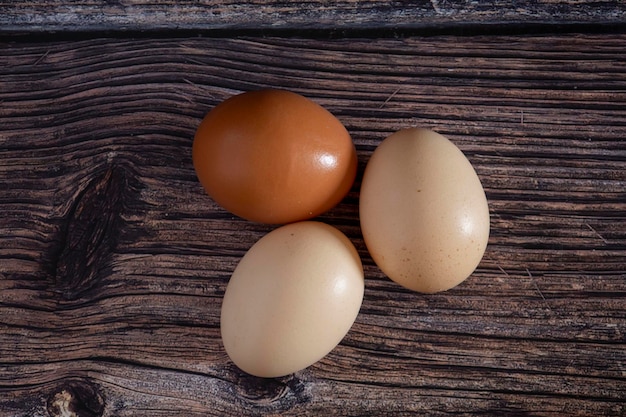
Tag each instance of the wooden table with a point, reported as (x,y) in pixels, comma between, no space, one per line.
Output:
(113,261)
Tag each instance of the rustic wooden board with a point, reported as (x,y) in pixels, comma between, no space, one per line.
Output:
(104,15)
(113,261)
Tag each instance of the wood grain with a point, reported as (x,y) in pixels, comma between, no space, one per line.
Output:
(140,15)
(113,261)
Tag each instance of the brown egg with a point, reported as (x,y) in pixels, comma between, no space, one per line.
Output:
(291,299)
(273,156)
(423,211)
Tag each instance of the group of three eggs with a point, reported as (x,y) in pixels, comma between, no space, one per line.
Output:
(276,157)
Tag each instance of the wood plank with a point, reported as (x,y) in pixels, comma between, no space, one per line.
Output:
(139,15)
(113,261)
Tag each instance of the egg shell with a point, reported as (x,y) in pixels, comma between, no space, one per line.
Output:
(274,156)
(423,211)
(291,299)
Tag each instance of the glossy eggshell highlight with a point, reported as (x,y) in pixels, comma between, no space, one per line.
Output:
(423,211)
(291,299)
(273,156)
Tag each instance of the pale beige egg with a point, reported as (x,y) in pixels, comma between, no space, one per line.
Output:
(291,299)
(423,211)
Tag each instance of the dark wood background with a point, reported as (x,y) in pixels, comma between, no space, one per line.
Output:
(113,261)
(123,15)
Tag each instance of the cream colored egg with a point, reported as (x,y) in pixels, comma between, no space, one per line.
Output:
(423,211)
(291,299)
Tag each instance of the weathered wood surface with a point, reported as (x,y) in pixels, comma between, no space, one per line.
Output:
(104,15)
(113,261)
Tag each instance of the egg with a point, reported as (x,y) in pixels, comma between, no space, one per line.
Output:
(274,156)
(423,211)
(291,299)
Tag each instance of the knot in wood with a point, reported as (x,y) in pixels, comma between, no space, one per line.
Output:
(91,232)
(261,390)
(76,398)
(273,394)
